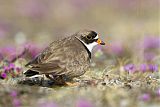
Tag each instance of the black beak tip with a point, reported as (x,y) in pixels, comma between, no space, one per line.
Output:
(102,43)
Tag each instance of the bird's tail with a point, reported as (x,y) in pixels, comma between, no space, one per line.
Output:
(30,73)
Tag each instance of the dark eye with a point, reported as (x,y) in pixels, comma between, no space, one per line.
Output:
(89,37)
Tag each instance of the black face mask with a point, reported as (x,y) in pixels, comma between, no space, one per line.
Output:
(89,38)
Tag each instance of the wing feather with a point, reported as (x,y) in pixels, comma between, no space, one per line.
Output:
(48,60)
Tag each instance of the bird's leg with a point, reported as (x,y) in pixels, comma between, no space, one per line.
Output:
(69,81)
(56,79)
(60,80)
(42,79)
(63,80)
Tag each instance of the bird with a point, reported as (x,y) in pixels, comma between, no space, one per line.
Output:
(66,58)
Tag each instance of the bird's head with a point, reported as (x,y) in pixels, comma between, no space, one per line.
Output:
(89,38)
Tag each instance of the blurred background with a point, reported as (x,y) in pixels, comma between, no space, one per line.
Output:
(41,22)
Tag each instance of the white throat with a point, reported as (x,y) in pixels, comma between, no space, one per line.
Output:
(89,46)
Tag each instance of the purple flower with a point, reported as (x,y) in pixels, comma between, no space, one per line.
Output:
(130,68)
(151,42)
(148,56)
(3,75)
(143,67)
(84,103)
(33,49)
(6,68)
(16,102)
(158,92)
(4,29)
(18,69)
(145,97)
(1,57)
(11,66)
(13,93)
(9,52)
(32,8)
(117,48)
(153,68)
(126,4)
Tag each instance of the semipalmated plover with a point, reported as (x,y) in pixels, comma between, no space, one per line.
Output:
(65,58)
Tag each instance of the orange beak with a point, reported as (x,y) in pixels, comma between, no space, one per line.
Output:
(100,42)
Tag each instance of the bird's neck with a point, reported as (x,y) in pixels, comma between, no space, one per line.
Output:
(89,53)
(88,46)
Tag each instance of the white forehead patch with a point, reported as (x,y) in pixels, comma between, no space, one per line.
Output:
(96,37)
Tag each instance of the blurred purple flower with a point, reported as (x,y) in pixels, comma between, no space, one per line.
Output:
(117,48)
(98,47)
(158,92)
(11,66)
(153,68)
(84,103)
(151,42)
(99,53)
(6,68)
(18,69)
(47,104)
(10,69)
(32,8)
(143,67)
(130,68)
(33,49)
(4,29)
(126,4)
(9,52)
(1,57)
(3,75)
(13,93)
(145,97)
(16,102)
(148,56)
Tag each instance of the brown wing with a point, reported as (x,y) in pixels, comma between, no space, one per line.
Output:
(50,60)
(67,56)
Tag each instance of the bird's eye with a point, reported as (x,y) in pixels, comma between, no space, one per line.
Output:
(89,37)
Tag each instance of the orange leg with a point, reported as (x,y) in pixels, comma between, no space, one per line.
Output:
(57,79)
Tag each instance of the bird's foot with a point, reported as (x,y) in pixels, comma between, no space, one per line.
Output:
(72,84)
(62,81)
